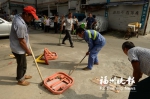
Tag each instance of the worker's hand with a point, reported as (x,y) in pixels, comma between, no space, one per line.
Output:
(87,53)
(29,53)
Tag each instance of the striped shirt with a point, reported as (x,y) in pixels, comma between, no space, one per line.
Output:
(143,56)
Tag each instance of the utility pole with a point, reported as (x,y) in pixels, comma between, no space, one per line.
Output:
(9,7)
(49,8)
(36,5)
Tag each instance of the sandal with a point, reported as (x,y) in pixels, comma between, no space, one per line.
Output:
(23,83)
(28,77)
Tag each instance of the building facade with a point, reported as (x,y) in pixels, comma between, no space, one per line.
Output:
(118,12)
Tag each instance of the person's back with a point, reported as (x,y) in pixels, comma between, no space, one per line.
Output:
(143,56)
(97,38)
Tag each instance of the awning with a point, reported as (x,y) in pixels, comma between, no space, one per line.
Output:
(111,4)
(94,4)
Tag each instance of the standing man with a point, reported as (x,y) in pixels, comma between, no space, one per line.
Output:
(90,21)
(75,22)
(63,19)
(19,42)
(42,21)
(56,23)
(69,27)
(140,60)
(95,42)
(47,24)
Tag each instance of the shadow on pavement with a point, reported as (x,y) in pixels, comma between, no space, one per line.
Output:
(64,65)
(6,80)
(55,44)
(71,94)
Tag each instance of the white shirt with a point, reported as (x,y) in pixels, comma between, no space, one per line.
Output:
(12,17)
(69,23)
(75,20)
(143,56)
(47,22)
(18,30)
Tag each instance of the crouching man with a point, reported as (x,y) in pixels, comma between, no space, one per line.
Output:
(95,42)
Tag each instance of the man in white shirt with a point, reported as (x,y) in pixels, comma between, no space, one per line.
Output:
(47,24)
(69,27)
(12,16)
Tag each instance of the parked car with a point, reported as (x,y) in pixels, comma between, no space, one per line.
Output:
(101,26)
(5,27)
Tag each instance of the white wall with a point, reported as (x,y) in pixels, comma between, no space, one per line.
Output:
(98,13)
(148,26)
(73,4)
(63,9)
(120,16)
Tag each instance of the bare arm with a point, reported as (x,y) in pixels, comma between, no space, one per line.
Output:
(137,74)
(24,45)
(62,25)
(72,27)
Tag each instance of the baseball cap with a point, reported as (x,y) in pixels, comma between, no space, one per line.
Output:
(31,10)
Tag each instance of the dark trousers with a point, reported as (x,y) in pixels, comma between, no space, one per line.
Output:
(89,27)
(68,35)
(21,66)
(56,27)
(75,26)
(42,26)
(47,28)
(141,90)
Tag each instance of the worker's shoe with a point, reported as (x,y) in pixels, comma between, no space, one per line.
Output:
(63,43)
(72,46)
(86,68)
(23,83)
(28,77)
(96,63)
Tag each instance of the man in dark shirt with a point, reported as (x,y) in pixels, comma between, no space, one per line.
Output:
(90,21)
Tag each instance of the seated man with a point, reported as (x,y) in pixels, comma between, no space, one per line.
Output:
(95,41)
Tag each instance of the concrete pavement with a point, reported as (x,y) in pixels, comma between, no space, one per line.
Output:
(112,61)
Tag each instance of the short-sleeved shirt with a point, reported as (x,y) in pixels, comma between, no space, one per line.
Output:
(99,40)
(75,20)
(90,20)
(143,56)
(18,30)
(69,23)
